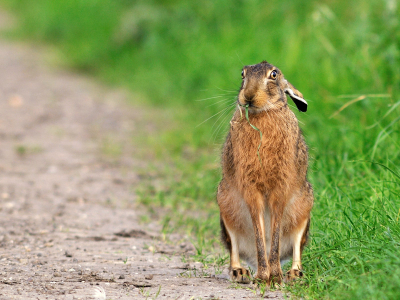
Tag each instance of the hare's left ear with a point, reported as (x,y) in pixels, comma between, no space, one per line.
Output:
(296,96)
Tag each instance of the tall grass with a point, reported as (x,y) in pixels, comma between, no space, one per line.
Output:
(344,56)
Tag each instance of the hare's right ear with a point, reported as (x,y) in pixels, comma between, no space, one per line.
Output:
(296,96)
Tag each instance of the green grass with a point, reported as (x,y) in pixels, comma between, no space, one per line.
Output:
(172,53)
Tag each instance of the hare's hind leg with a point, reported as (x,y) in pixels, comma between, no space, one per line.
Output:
(229,235)
(236,271)
(298,239)
(299,234)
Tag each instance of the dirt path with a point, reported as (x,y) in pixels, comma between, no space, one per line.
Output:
(69,228)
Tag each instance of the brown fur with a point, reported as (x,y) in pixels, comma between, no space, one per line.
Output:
(265,200)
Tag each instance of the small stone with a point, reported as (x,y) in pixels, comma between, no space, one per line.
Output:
(121,277)
(16,101)
(68,254)
(149,277)
(56,274)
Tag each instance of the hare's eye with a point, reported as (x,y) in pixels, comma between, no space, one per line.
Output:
(242,74)
(273,74)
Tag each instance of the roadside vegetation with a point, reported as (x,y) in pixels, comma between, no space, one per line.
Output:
(185,57)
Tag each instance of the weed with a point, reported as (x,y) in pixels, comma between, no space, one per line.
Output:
(147,294)
(23,150)
(201,273)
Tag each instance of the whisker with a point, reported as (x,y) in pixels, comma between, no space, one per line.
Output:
(221,131)
(226,110)
(221,122)
(228,91)
(224,101)
(217,130)
(239,58)
(213,116)
(218,96)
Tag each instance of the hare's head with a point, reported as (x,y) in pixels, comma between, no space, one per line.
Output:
(265,88)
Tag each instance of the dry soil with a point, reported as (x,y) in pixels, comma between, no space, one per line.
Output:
(69,227)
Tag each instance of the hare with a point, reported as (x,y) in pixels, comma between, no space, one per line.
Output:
(264,196)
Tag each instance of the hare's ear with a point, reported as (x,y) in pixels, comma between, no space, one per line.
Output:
(296,96)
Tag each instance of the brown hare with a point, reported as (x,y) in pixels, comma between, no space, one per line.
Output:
(264,196)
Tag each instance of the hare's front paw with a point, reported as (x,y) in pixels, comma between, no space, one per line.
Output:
(276,277)
(261,278)
(241,275)
(292,275)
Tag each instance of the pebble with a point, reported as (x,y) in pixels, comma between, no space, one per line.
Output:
(149,277)
(121,277)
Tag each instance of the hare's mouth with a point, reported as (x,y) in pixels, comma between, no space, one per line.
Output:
(252,108)
(255,103)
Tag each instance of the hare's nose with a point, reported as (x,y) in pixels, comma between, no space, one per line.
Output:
(249,97)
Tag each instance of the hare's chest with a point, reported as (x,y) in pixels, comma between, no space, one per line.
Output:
(262,162)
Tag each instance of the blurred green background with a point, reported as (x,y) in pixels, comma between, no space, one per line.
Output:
(185,58)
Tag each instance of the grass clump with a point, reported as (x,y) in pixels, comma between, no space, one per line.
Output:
(344,57)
